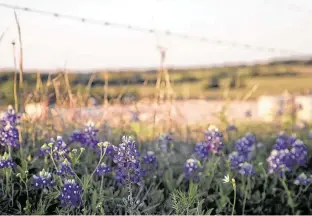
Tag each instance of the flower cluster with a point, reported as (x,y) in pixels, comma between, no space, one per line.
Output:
(71,194)
(302,179)
(201,150)
(65,169)
(288,152)
(87,137)
(102,169)
(6,161)
(128,163)
(191,169)
(44,180)
(57,147)
(9,135)
(243,152)
(214,139)
(150,163)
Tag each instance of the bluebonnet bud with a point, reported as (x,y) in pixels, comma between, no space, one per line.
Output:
(214,139)
(71,194)
(248,113)
(6,161)
(102,169)
(246,169)
(65,169)
(302,179)
(44,180)
(201,150)
(128,164)
(191,169)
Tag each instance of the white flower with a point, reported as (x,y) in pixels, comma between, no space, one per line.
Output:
(226,179)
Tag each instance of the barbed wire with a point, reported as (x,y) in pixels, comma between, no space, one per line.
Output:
(151,30)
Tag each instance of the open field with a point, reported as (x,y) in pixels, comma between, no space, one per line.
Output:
(175,163)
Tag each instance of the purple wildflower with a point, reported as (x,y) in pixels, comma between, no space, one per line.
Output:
(44,180)
(300,152)
(214,139)
(6,161)
(201,150)
(280,161)
(283,141)
(128,165)
(87,137)
(236,159)
(246,169)
(245,145)
(58,147)
(102,169)
(71,194)
(150,163)
(191,169)
(302,179)
(9,135)
(65,169)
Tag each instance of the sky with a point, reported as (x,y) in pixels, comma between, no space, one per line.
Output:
(52,43)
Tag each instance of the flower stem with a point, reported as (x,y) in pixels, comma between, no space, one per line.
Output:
(290,200)
(234,202)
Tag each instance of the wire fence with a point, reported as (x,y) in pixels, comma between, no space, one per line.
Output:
(105,23)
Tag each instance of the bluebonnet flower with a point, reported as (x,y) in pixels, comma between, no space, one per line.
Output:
(283,141)
(302,179)
(288,152)
(71,194)
(58,147)
(9,134)
(280,161)
(246,169)
(10,117)
(300,152)
(191,169)
(150,163)
(102,169)
(6,161)
(236,159)
(214,139)
(164,141)
(201,150)
(128,164)
(65,169)
(87,137)
(245,145)
(44,180)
